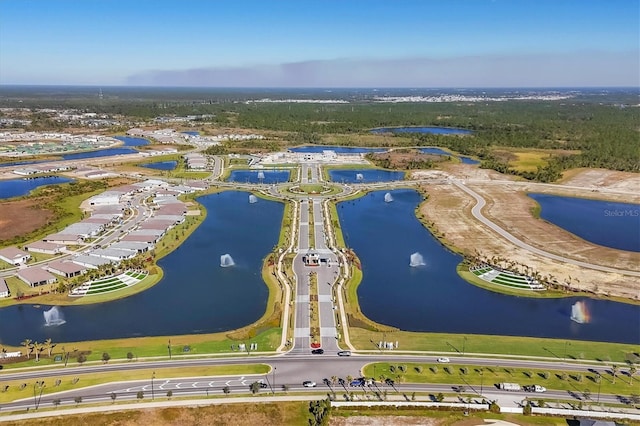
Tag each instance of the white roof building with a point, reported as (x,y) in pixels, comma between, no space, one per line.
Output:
(14,256)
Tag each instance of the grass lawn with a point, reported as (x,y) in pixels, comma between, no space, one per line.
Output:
(489,376)
(140,347)
(452,344)
(66,381)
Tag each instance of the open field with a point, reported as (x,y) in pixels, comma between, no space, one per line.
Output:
(156,346)
(449,209)
(456,344)
(489,376)
(281,413)
(16,390)
(22,217)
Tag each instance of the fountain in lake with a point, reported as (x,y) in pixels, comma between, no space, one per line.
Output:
(388,198)
(226,261)
(53,317)
(416,260)
(359,176)
(580,313)
(253,199)
(261,175)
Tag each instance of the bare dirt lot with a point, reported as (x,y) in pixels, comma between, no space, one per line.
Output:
(384,421)
(508,206)
(21,217)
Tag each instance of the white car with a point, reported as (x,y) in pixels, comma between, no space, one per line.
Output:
(443,359)
(309,384)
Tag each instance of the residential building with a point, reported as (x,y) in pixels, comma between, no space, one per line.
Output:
(14,256)
(36,276)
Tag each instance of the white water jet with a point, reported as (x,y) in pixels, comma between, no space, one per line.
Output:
(226,261)
(580,313)
(359,176)
(261,175)
(253,199)
(53,317)
(416,260)
(388,198)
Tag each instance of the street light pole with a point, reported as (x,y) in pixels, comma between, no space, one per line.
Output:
(599,383)
(464,342)
(153,376)
(481,379)
(274,380)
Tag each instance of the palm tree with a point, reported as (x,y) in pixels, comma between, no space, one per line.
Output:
(48,346)
(37,347)
(632,371)
(27,345)
(614,372)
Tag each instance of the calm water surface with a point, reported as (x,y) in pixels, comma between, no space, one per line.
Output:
(439,151)
(19,187)
(259,176)
(336,149)
(434,298)
(426,129)
(196,295)
(364,175)
(609,224)
(161,165)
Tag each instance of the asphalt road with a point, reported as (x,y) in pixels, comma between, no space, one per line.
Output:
(289,369)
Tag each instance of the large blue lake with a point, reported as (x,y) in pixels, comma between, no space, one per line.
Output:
(364,175)
(196,295)
(259,176)
(423,129)
(161,165)
(122,150)
(337,149)
(434,298)
(440,151)
(19,187)
(615,225)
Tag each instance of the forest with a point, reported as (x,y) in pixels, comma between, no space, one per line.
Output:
(590,129)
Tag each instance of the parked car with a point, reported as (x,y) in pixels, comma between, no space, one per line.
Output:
(443,359)
(309,384)
(317,351)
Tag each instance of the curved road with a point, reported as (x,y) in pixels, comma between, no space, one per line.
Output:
(476,211)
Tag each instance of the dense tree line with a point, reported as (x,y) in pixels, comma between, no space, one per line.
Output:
(587,131)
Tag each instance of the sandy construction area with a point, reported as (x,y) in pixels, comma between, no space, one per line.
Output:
(21,217)
(508,206)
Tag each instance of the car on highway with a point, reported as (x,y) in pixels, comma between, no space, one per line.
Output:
(534,388)
(357,382)
(317,351)
(344,353)
(309,384)
(443,359)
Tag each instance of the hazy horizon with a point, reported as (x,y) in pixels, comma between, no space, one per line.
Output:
(321,44)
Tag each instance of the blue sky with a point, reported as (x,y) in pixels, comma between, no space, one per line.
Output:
(330,43)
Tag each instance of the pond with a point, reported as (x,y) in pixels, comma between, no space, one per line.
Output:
(196,294)
(606,223)
(364,175)
(337,149)
(440,151)
(122,150)
(161,165)
(19,187)
(433,298)
(423,129)
(259,176)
